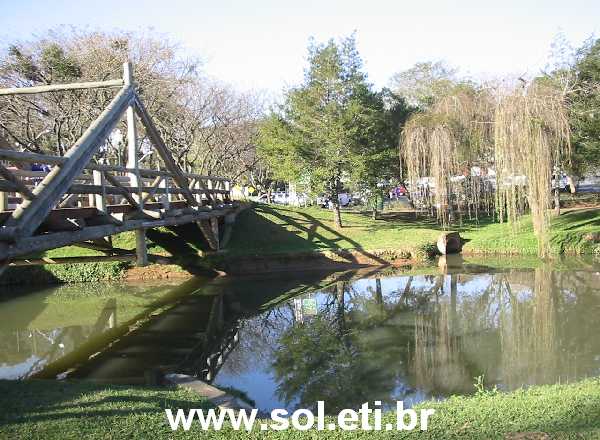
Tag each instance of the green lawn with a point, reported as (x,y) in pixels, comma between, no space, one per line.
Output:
(77,410)
(272,230)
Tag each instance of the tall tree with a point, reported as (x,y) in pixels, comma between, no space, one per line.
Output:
(331,129)
(425,83)
(585,109)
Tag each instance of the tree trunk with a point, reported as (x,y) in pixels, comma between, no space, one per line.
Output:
(378,294)
(374,214)
(337,215)
(335,202)
(556,201)
(453,297)
(571,184)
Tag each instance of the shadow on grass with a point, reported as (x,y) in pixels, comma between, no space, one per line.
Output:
(46,400)
(184,243)
(578,219)
(283,240)
(414,220)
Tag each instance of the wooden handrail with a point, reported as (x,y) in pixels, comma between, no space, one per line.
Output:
(59,87)
(28,157)
(78,188)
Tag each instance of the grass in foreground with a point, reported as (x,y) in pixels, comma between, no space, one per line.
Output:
(66,410)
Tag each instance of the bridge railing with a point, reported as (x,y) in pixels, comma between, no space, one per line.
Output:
(101,185)
(79,198)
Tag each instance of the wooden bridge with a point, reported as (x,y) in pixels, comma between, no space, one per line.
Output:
(82,201)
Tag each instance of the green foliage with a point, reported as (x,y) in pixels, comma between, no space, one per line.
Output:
(585,109)
(52,64)
(319,360)
(333,127)
(65,273)
(427,82)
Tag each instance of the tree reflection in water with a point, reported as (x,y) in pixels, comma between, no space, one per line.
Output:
(428,336)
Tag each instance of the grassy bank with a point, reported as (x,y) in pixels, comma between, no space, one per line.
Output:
(268,229)
(275,231)
(184,245)
(59,410)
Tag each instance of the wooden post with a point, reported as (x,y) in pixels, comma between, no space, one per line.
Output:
(197,187)
(209,187)
(214,226)
(133,162)
(208,231)
(132,154)
(228,189)
(100,198)
(3,201)
(165,198)
(141,250)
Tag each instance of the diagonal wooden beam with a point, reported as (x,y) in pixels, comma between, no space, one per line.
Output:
(31,213)
(165,154)
(20,186)
(153,188)
(115,182)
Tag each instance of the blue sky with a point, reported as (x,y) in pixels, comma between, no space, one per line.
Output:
(262,43)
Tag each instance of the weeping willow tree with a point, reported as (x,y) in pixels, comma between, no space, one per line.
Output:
(523,135)
(445,143)
(531,139)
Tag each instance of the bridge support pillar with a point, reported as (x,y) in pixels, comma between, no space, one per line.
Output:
(214,226)
(228,229)
(210,230)
(141,250)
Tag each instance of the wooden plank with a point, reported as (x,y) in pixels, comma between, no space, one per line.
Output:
(78,188)
(208,232)
(91,212)
(58,87)
(31,213)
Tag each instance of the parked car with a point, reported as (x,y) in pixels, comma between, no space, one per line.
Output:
(344,199)
(278,197)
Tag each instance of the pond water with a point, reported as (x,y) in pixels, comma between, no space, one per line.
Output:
(345,338)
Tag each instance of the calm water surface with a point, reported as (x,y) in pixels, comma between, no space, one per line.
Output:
(344,338)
